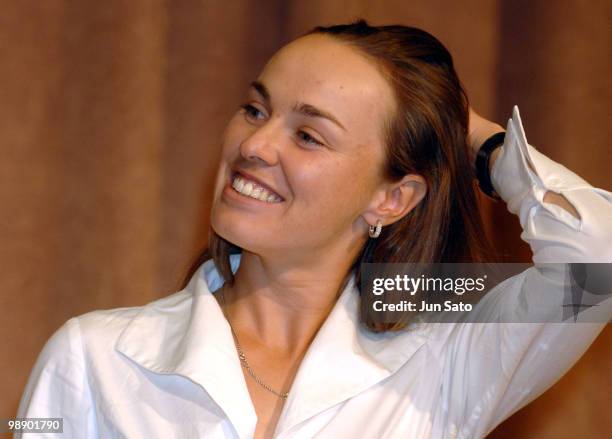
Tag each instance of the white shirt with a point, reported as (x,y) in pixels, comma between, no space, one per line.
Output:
(169,369)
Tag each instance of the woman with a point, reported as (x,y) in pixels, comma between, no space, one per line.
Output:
(352,146)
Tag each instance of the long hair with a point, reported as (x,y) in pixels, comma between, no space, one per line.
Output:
(427,135)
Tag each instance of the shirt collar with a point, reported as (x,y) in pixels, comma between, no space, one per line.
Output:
(187,334)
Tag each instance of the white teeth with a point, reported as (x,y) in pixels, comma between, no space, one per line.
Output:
(255,192)
(239,184)
(252,190)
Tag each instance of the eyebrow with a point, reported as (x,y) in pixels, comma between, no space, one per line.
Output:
(299,107)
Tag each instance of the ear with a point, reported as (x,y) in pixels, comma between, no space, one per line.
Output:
(396,200)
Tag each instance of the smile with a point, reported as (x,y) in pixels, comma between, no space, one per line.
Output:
(251,189)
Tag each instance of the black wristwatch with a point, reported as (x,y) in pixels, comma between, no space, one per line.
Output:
(483,158)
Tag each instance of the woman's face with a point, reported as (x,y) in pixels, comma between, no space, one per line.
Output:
(311,132)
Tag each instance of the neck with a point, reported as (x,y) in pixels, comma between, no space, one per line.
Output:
(281,305)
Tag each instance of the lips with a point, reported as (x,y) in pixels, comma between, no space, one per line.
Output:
(250,185)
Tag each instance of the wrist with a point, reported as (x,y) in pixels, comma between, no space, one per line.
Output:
(485,159)
(486,130)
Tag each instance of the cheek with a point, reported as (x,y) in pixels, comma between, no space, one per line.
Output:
(339,186)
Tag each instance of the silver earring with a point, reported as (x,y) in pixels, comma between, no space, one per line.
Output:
(375,231)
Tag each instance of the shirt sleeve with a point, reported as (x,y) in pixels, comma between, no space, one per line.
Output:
(58,386)
(504,366)
(522,176)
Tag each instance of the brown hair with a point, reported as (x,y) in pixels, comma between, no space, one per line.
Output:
(427,136)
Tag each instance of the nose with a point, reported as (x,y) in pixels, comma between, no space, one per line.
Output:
(262,144)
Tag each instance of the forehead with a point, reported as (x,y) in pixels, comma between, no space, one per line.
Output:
(327,73)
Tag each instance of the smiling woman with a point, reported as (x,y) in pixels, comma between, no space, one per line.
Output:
(354,144)
(404,161)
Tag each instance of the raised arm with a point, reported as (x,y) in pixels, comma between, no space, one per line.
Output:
(494,369)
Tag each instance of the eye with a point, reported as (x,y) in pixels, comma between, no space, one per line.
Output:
(250,111)
(308,139)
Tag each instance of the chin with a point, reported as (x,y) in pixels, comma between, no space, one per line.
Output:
(239,233)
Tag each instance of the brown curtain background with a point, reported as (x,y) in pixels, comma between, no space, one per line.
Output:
(110,119)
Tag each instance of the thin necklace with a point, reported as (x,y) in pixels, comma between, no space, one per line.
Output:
(241,355)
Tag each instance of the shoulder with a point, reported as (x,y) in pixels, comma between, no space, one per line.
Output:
(104,327)
(96,332)
(80,358)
